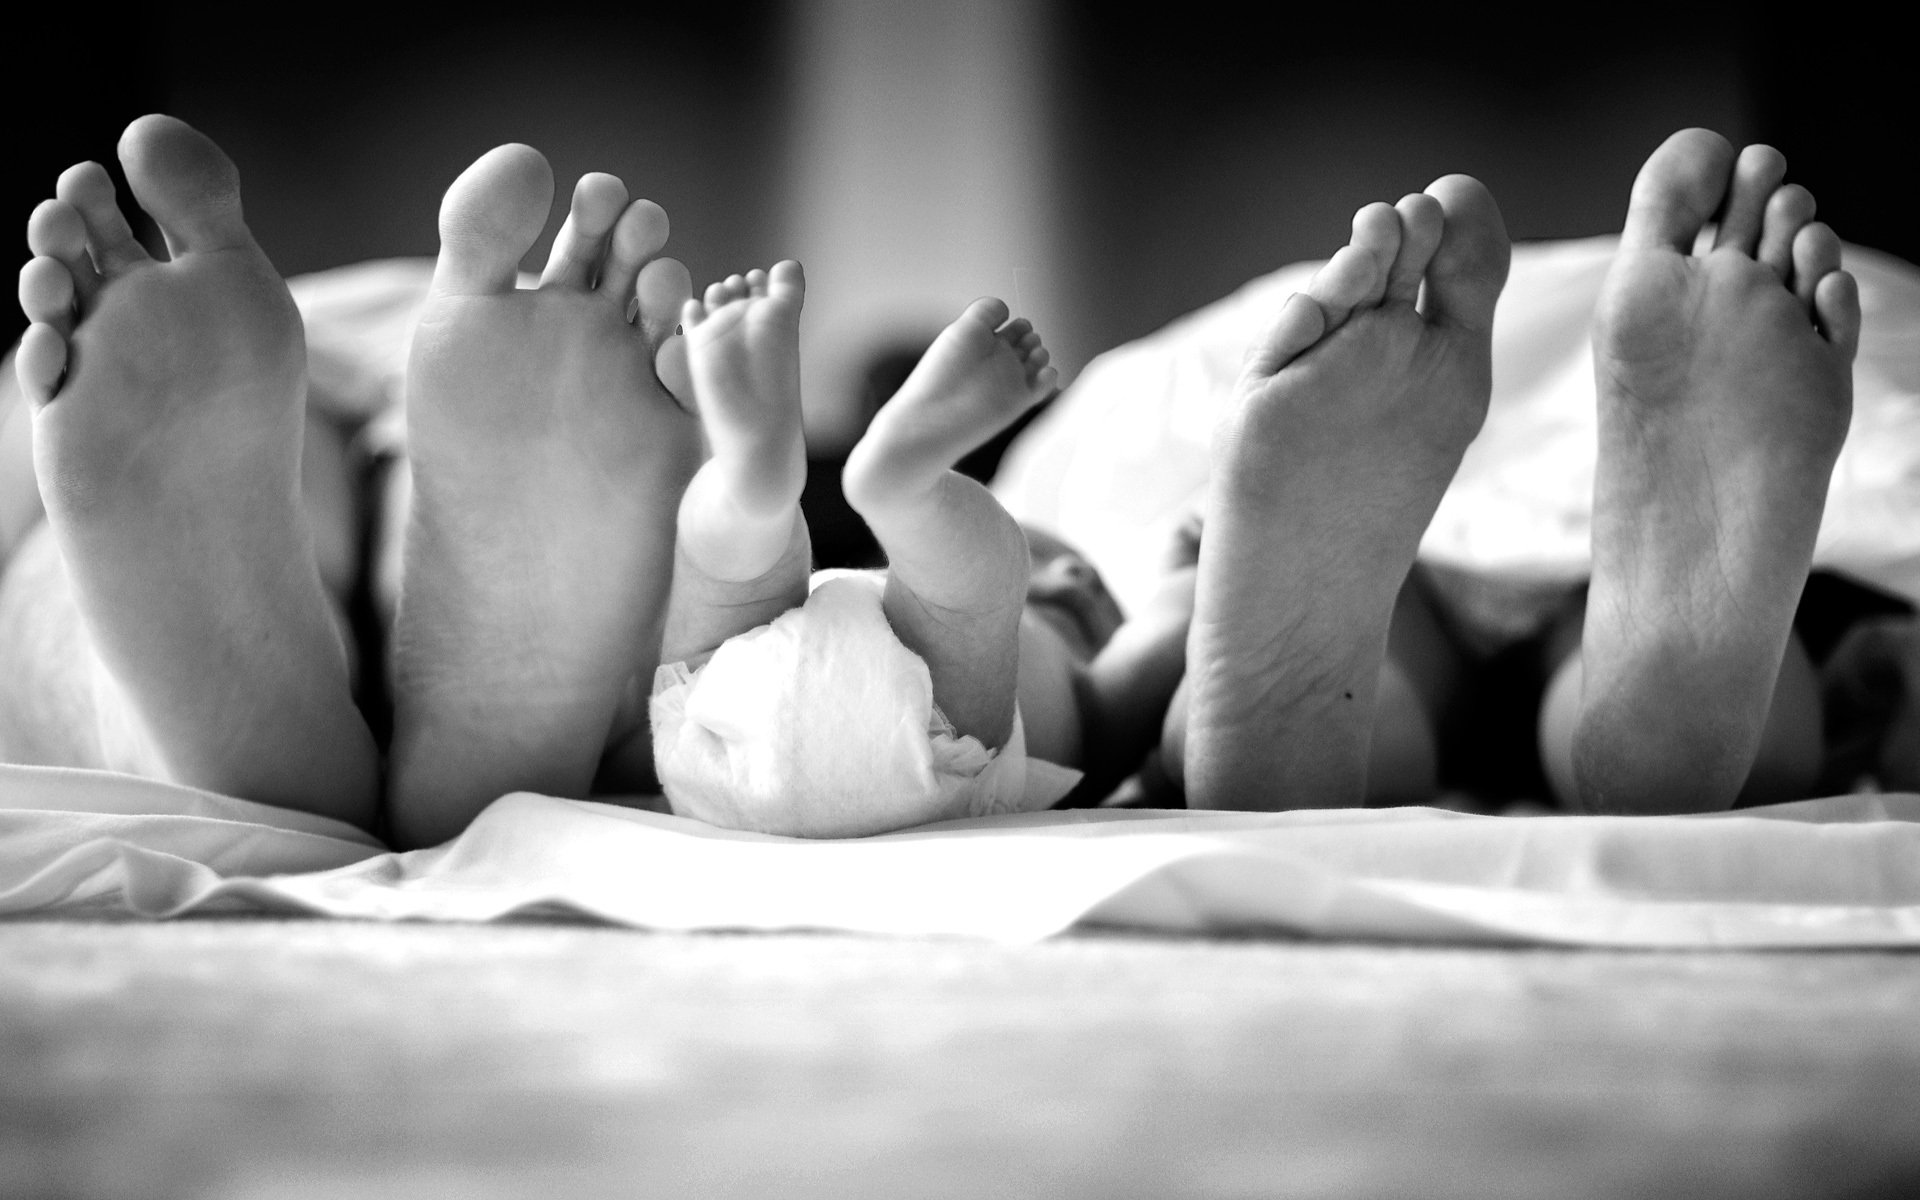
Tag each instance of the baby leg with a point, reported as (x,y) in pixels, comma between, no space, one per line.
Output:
(741,557)
(1127,689)
(1725,390)
(1347,425)
(547,459)
(957,564)
(167,408)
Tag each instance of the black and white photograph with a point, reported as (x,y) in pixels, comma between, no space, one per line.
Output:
(951,598)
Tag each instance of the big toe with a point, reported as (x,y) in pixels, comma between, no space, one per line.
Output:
(1678,191)
(187,184)
(988,313)
(1470,267)
(490,218)
(787,281)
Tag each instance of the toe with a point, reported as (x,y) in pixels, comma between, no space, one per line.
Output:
(717,294)
(990,311)
(185,183)
(40,362)
(1376,230)
(490,218)
(46,294)
(757,282)
(1351,275)
(691,313)
(56,231)
(640,233)
(663,289)
(1421,225)
(581,245)
(1756,176)
(787,281)
(1301,323)
(110,239)
(1816,254)
(1469,267)
(1015,331)
(1678,191)
(1836,311)
(670,364)
(1788,212)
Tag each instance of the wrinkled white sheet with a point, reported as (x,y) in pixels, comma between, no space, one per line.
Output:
(1837,872)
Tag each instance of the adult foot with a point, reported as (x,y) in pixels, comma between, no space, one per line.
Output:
(1347,424)
(1725,390)
(168,402)
(957,564)
(547,462)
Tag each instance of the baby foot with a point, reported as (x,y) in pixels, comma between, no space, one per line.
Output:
(957,564)
(169,399)
(1348,423)
(979,375)
(1725,390)
(743,350)
(742,556)
(547,461)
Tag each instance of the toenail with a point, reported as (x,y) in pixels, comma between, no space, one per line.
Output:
(633,310)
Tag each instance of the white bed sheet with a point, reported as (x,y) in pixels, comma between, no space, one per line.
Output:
(1837,872)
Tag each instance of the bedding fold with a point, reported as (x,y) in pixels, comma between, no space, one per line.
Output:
(1843,871)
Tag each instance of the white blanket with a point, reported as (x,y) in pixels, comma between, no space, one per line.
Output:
(1121,459)
(1839,872)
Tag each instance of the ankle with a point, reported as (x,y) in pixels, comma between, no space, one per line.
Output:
(878,488)
(733,541)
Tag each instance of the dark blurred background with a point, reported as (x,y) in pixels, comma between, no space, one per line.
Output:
(1103,168)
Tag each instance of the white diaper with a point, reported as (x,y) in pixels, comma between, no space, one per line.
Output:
(822,724)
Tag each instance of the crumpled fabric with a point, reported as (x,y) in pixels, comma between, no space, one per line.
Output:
(1844,871)
(822,724)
